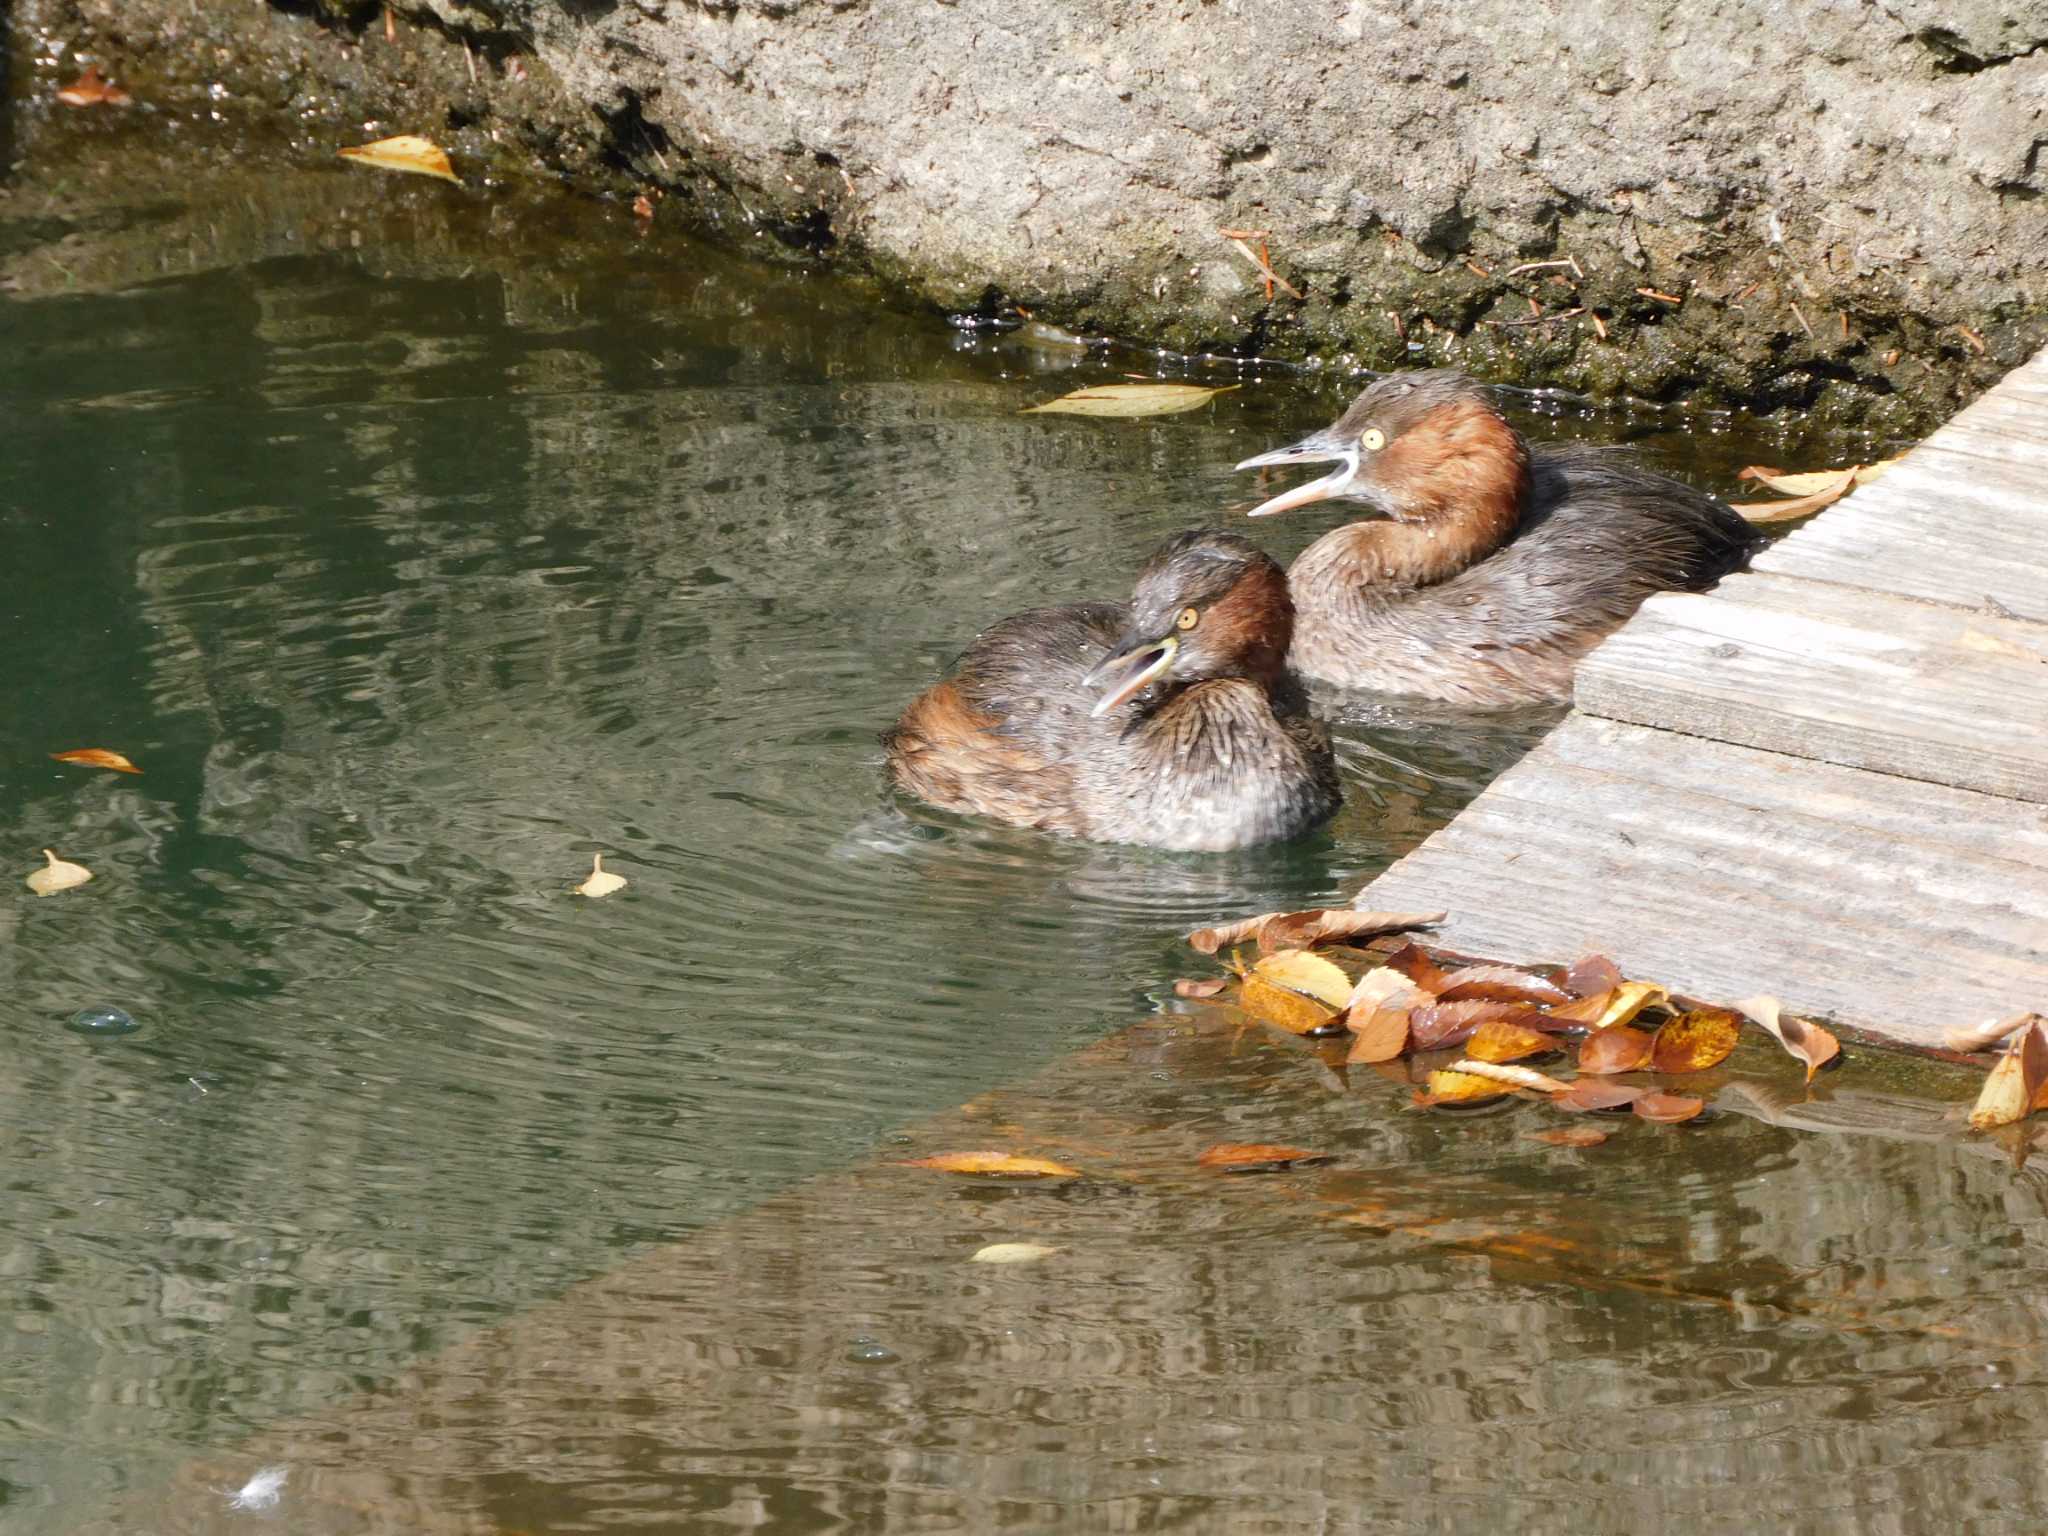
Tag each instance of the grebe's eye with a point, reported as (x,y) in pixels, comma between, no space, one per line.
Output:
(1374,440)
(1188,619)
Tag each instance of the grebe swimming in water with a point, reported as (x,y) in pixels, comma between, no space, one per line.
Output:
(1491,567)
(1170,720)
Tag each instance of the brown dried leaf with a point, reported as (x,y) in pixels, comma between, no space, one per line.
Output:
(1439,1026)
(1209,940)
(1617,1048)
(1283,1007)
(2003,1099)
(1500,984)
(1208,986)
(1384,987)
(1801,1038)
(1149,399)
(1584,1011)
(97,757)
(1569,1136)
(407,152)
(1695,1041)
(1668,1108)
(57,875)
(1829,488)
(1005,1165)
(1310,975)
(1239,1157)
(1507,1040)
(1322,925)
(1983,1036)
(1458,1088)
(2034,1064)
(1411,961)
(1591,1095)
(1591,975)
(1382,1035)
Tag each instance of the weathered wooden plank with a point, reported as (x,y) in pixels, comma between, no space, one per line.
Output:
(1837,674)
(1897,907)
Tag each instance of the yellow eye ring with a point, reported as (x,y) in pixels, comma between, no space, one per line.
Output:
(1188,619)
(1374,440)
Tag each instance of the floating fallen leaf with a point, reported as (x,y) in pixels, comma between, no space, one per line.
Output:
(1668,1108)
(1312,975)
(1301,930)
(1133,399)
(1623,1004)
(1458,1088)
(1321,925)
(1439,1026)
(1012,1253)
(1985,1035)
(1414,963)
(600,882)
(1241,1157)
(1805,1041)
(1569,1136)
(1514,1077)
(408,152)
(643,207)
(1380,1035)
(1285,1008)
(1591,1096)
(89,90)
(1591,975)
(1383,986)
(57,875)
(1004,1165)
(1616,1048)
(1812,489)
(97,757)
(1207,987)
(1505,1040)
(1498,984)
(1695,1041)
(2004,1097)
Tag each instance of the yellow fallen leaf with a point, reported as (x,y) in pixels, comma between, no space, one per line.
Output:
(57,875)
(1284,1008)
(408,152)
(997,1164)
(1628,1000)
(600,881)
(97,757)
(1309,974)
(1835,487)
(1243,1157)
(2003,1098)
(1133,399)
(1465,1087)
(1012,1253)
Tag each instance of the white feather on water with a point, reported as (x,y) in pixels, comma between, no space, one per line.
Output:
(261,1491)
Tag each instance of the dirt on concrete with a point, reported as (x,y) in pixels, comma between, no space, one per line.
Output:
(1836,209)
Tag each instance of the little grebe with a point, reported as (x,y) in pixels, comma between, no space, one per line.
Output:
(1171,720)
(1492,567)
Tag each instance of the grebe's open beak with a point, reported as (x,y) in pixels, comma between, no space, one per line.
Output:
(1316,448)
(1128,669)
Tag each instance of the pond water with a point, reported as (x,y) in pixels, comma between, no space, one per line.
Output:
(417,557)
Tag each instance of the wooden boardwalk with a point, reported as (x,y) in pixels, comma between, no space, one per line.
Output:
(1827,779)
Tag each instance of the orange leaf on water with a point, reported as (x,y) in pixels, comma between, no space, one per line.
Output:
(1569,1136)
(1207,987)
(1590,975)
(995,1164)
(97,757)
(1380,1036)
(1284,1008)
(1617,1048)
(407,152)
(1801,1038)
(1242,1157)
(89,90)
(1590,1095)
(1440,1026)
(1412,962)
(1695,1041)
(1668,1108)
(1458,1088)
(1506,1040)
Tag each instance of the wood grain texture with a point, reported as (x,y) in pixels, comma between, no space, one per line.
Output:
(1838,674)
(1891,906)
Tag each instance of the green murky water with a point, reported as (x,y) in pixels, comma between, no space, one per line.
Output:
(415,557)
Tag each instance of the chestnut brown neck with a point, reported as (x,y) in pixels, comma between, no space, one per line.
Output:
(1252,625)
(1454,484)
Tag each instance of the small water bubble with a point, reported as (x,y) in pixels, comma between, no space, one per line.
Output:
(867,1351)
(102,1020)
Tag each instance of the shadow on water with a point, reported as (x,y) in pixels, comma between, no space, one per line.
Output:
(418,547)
